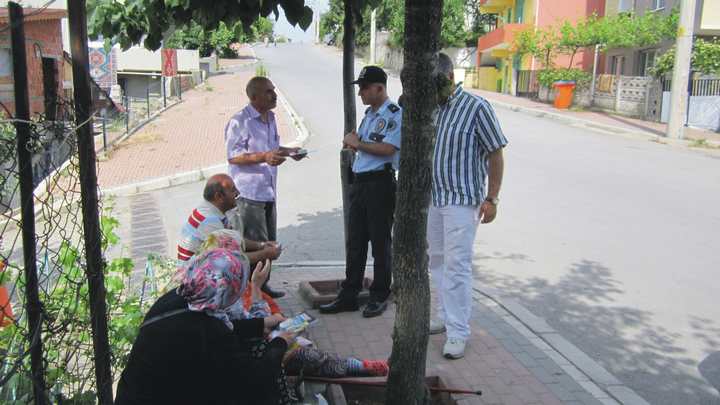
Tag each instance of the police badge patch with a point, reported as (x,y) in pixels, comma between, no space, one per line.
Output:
(380,125)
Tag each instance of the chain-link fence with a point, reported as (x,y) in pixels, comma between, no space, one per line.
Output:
(54,301)
(62,285)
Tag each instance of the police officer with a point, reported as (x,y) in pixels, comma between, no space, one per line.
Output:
(372,195)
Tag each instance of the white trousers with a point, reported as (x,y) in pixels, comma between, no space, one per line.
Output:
(451,233)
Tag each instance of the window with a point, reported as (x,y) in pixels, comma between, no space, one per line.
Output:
(5,62)
(625,6)
(614,62)
(646,62)
(658,4)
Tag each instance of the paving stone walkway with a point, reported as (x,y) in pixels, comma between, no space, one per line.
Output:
(188,136)
(508,364)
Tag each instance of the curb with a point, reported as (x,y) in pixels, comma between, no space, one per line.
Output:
(604,128)
(600,383)
(597,381)
(298,122)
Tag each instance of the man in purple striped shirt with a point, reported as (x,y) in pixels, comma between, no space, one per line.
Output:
(254,153)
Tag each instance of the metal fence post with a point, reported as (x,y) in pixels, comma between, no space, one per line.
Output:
(22,112)
(690,94)
(164,93)
(127,114)
(104,128)
(179,82)
(89,198)
(618,93)
(147,100)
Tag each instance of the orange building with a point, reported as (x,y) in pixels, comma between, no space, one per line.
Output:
(499,67)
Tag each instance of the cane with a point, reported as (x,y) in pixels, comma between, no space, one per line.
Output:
(351,381)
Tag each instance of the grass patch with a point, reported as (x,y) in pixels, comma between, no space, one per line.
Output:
(702,143)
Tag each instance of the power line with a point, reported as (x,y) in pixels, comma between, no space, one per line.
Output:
(36,12)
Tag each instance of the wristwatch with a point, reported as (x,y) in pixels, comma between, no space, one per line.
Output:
(493,200)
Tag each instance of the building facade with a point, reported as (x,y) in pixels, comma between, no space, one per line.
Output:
(639,61)
(45,61)
(496,57)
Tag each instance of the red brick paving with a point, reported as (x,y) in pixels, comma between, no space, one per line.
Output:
(185,137)
(487,365)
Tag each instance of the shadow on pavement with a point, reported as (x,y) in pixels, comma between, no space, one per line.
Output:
(624,340)
(315,237)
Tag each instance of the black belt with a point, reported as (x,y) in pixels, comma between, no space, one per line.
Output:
(374,176)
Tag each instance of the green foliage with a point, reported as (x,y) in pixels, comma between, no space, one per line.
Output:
(331,22)
(629,31)
(453,33)
(129,22)
(220,39)
(541,44)
(191,37)
(620,31)
(390,16)
(705,59)
(67,339)
(547,77)
(261,71)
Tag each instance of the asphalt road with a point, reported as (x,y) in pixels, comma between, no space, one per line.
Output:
(610,239)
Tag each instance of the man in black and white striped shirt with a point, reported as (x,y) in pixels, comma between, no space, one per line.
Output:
(468,149)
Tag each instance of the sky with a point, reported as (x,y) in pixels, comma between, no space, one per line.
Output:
(282,27)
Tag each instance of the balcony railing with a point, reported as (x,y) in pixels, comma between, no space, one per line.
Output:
(500,38)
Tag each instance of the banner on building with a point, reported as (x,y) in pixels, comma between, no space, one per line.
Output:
(169,62)
(103,66)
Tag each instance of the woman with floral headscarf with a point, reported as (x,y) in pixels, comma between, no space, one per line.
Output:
(190,351)
(308,360)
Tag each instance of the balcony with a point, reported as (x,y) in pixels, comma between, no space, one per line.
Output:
(500,39)
(495,6)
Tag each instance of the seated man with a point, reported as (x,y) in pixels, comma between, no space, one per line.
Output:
(215,213)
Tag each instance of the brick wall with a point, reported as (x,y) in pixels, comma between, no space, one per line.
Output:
(44,37)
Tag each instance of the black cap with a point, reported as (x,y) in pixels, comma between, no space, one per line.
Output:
(371,74)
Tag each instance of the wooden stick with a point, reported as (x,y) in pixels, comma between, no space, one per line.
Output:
(351,381)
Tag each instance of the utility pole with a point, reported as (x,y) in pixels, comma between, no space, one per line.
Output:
(350,115)
(317,23)
(594,74)
(24,159)
(77,19)
(681,70)
(372,35)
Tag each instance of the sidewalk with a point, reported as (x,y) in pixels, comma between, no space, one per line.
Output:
(597,119)
(504,359)
(186,137)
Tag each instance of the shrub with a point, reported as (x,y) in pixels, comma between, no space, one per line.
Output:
(547,77)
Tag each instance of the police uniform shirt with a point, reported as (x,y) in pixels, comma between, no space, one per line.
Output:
(378,126)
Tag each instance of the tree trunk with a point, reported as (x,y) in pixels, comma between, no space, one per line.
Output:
(347,155)
(572,57)
(406,383)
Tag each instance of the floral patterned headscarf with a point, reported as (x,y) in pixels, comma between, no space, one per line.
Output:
(223,238)
(213,281)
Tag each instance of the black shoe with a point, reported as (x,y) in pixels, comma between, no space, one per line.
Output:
(339,305)
(272,293)
(374,308)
